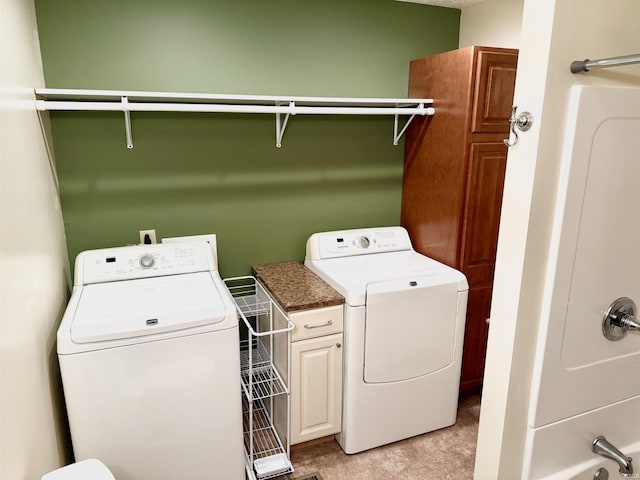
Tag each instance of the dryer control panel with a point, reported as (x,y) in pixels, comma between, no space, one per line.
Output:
(365,241)
(142,261)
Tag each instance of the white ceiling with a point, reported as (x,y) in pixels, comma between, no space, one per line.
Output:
(446,3)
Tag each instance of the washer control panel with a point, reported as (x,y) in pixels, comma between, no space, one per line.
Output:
(142,261)
(357,242)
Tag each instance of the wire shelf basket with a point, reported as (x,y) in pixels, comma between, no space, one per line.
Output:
(265,440)
(262,380)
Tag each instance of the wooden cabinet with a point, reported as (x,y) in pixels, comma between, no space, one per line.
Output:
(454,171)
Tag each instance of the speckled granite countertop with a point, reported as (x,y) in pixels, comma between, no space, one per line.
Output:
(295,287)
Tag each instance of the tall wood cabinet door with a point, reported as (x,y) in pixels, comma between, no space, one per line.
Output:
(487,165)
(493,95)
(316,387)
(475,337)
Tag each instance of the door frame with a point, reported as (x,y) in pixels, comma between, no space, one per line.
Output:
(553,33)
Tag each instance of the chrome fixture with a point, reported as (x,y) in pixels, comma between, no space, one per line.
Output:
(620,319)
(586,65)
(523,121)
(601,446)
(601,474)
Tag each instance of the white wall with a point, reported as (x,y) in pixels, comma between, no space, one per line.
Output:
(554,32)
(33,262)
(493,23)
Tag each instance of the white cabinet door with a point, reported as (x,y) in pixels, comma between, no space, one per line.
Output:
(316,387)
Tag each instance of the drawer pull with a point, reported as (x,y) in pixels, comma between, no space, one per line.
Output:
(329,322)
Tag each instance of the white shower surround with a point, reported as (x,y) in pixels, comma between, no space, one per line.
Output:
(593,261)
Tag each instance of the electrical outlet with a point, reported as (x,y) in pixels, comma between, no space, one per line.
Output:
(151,233)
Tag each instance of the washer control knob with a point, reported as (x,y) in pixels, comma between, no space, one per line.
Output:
(147,261)
(363,242)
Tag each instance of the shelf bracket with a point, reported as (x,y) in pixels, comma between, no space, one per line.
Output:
(280,125)
(127,121)
(397,136)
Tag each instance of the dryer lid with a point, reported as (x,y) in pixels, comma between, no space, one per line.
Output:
(351,275)
(133,308)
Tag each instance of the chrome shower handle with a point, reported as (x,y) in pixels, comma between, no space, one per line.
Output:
(620,319)
(629,323)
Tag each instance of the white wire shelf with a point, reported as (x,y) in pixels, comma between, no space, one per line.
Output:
(253,302)
(265,440)
(260,378)
(251,305)
(261,437)
(49,99)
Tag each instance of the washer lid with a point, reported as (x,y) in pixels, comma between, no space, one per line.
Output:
(133,308)
(90,468)
(351,275)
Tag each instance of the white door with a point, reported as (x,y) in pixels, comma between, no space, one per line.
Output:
(554,33)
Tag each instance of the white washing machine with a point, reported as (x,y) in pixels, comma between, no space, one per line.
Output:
(148,350)
(403,327)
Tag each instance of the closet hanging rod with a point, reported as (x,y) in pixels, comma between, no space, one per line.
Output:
(137,101)
(578,66)
(227,108)
(79,95)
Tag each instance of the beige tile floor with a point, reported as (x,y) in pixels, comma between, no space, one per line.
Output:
(446,454)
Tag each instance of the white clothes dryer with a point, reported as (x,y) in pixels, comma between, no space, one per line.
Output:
(149,354)
(403,327)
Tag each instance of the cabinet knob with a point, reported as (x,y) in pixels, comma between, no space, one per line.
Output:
(339,345)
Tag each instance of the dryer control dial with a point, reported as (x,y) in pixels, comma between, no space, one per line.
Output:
(364,242)
(147,261)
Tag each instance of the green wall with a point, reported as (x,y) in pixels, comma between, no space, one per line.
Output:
(206,173)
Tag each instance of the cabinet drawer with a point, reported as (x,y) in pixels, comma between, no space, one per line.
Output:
(316,322)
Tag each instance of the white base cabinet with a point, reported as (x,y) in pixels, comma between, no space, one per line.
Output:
(315,381)
(316,387)
(310,358)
